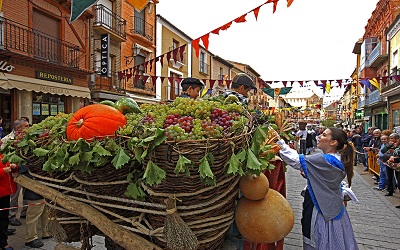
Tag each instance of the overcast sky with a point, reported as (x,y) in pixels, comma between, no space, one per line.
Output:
(310,40)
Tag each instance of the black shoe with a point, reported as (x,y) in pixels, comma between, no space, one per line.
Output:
(22,216)
(34,244)
(389,194)
(15,222)
(11,231)
(46,237)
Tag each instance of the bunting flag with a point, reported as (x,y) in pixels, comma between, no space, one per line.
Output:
(272,93)
(366,83)
(328,87)
(139,5)
(78,7)
(375,83)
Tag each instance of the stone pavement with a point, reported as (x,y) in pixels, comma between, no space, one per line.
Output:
(375,220)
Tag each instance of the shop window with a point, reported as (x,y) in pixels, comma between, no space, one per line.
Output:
(45,105)
(5,109)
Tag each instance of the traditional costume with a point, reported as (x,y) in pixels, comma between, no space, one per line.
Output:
(325,222)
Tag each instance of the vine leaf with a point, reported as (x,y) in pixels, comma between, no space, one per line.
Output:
(41,152)
(120,159)
(75,159)
(233,164)
(205,171)
(253,164)
(100,150)
(135,191)
(153,174)
(182,165)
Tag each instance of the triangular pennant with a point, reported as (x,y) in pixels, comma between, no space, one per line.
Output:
(315,82)
(289,2)
(120,75)
(241,19)
(154,80)
(384,80)
(179,80)
(169,54)
(256,11)
(175,54)
(204,39)
(195,44)
(212,82)
(301,83)
(145,77)
(275,4)
(162,60)
(129,74)
(171,79)
(340,82)
(284,83)
(145,65)
(139,5)
(162,79)
(137,77)
(226,26)
(204,81)
(216,31)
(78,7)
(181,52)
(151,64)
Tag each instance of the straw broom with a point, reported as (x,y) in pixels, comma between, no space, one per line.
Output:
(54,228)
(177,233)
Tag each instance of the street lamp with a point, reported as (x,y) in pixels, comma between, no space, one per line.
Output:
(135,52)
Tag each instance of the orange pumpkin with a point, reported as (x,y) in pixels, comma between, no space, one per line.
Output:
(96,120)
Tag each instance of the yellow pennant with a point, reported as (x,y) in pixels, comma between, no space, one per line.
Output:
(139,5)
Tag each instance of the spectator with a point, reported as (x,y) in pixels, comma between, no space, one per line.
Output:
(191,87)
(358,145)
(366,138)
(7,187)
(388,152)
(241,85)
(382,167)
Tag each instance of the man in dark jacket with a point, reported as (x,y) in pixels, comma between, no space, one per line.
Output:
(388,152)
(358,145)
(366,138)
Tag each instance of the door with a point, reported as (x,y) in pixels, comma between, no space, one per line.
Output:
(139,23)
(175,89)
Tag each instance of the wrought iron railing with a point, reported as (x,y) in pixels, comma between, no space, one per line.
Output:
(21,39)
(111,83)
(106,18)
(143,28)
(374,54)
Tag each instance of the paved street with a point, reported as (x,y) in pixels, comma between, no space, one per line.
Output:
(375,220)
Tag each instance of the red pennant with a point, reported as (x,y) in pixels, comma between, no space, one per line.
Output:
(241,19)
(120,75)
(289,2)
(212,82)
(256,11)
(228,83)
(179,80)
(154,79)
(151,64)
(216,31)
(182,51)
(204,39)
(162,60)
(301,83)
(226,26)
(384,80)
(340,82)
(195,44)
(169,54)
(284,83)
(220,82)
(275,3)
(396,78)
(204,81)
(175,54)
(162,79)
(129,74)
(316,83)
(261,82)
(171,80)
(145,65)
(137,79)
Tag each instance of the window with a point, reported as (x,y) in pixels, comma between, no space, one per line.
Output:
(139,22)
(203,64)
(221,73)
(104,14)
(174,88)
(45,105)
(139,60)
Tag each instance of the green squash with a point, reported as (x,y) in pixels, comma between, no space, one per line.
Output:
(127,105)
(108,103)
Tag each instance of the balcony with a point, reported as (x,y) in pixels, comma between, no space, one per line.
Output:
(376,58)
(109,84)
(362,102)
(19,39)
(106,21)
(142,28)
(373,98)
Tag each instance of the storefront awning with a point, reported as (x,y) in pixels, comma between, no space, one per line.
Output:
(10,81)
(143,99)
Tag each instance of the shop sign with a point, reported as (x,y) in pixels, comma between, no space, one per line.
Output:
(53,77)
(54,90)
(5,67)
(53,109)
(36,109)
(104,54)
(45,109)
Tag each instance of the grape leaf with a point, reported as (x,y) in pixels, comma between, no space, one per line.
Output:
(252,162)
(120,159)
(242,155)
(205,171)
(138,154)
(182,165)
(233,164)
(153,174)
(135,191)
(80,145)
(16,159)
(75,159)
(100,150)
(111,145)
(41,152)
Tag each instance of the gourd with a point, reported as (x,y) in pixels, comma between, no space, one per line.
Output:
(96,120)
(254,187)
(127,105)
(264,221)
(108,102)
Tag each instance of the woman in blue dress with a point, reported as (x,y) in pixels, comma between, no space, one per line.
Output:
(325,221)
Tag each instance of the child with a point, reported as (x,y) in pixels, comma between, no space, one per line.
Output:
(191,87)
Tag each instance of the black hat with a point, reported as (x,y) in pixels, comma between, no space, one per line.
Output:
(244,79)
(192,81)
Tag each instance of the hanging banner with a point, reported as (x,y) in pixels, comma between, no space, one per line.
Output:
(105,54)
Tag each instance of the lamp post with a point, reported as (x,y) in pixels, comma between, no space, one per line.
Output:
(135,52)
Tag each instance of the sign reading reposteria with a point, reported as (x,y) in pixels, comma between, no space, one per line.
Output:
(53,77)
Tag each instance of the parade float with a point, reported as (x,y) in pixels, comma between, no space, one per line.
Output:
(158,176)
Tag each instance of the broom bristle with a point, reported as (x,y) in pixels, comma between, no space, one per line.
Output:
(56,230)
(177,233)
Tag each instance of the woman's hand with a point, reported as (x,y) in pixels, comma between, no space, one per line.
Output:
(7,170)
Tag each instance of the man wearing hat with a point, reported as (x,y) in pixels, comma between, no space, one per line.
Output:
(240,87)
(191,87)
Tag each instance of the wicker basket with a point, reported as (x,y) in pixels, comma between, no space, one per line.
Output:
(207,210)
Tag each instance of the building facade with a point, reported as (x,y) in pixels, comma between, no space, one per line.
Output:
(45,60)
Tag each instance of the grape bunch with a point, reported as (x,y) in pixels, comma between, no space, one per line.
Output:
(148,119)
(184,122)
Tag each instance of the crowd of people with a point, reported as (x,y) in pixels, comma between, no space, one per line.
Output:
(10,192)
